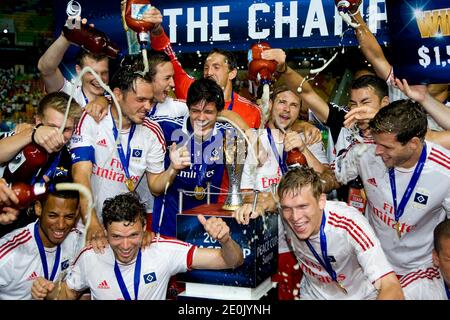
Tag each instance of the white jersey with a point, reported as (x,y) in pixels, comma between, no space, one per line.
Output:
(75,91)
(347,138)
(95,142)
(354,251)
(160,261)
(20,262)
(428,205)
(424,284)
(169,108)
(270,173)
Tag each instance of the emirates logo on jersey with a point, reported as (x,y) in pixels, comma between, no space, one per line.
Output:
(103,285)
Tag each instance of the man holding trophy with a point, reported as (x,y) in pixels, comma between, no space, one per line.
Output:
(205,138)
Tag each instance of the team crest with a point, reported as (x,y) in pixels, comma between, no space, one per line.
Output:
(64,265)
(137,153)
(420,199)
(149,277)
(61,172)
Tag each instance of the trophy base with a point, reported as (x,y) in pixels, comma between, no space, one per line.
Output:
(231,207)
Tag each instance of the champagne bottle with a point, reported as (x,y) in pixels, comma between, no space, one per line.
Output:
(295,158)
(27,194)
(133,17)
(259,69)
(26,164)
(91,39)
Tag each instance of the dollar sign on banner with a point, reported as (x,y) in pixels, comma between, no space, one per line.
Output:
(422,52)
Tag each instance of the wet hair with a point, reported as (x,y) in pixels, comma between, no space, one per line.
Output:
(441,232)
(405,118)
(155,58)
(64,194)
(296,179)
(58,101)
(125,208)
(369,81)
(205,90)
(279,89)
(230,58)
(128,72)
(82,53)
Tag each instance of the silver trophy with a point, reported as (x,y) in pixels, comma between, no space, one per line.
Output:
(235,150)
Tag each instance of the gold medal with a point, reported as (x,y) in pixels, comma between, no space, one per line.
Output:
(341,287)
(130,184)
(199,192)
(397,227)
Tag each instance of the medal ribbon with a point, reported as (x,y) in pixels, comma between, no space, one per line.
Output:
(41,249)
(281,160)
(137,278)
(199,166)
(447,291)
(124,159)
(230,106)
(325,262)
(398,211)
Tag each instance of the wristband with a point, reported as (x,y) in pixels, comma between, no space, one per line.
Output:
(34,132)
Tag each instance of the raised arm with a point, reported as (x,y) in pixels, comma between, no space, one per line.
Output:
(419,93)
(229,256)
(295,81)
(180,158)
(371,49)
(49,62)
(161,42)
(45,136)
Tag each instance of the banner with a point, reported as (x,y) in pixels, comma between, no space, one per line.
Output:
(420,40)
(234,25)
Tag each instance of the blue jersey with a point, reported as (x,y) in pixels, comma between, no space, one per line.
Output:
(207,166)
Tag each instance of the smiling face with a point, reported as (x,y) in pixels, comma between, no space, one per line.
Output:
(56,219)
(285,109)
(125,239)
(163,81)
(302,211)
(217,68)
(54,118)
(366,97)
(393,153)
(203,117)
(91,86)
(135,104)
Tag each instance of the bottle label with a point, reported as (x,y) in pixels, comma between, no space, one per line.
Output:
(294,165)
(16,162)
(137,10)
(144,37)
(39,188)
(357,199)
(250,55)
